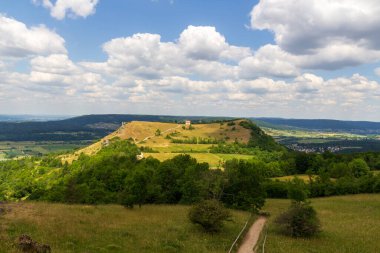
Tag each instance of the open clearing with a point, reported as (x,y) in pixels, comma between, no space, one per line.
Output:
(112,228)
(351,224)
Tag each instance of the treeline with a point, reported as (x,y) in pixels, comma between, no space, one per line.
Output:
(197,140)
(325,186)
(114,175)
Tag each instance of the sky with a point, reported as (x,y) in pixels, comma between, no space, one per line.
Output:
(243,58)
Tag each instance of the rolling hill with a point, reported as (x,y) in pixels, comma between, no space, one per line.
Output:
(166,140)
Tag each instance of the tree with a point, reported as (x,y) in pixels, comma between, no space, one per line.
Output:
(339,170)
(358,167)
(244,185)
(210,214)
(158,132)
(297,190)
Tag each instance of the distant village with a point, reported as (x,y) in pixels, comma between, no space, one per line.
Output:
(308,149)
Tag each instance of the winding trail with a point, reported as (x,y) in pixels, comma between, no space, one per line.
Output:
(167,130)
(253,235)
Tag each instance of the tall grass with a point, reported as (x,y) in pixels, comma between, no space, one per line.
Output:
(112,228)
(351,224)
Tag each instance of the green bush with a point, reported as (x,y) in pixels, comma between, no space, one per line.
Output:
(300,220)
(210,214)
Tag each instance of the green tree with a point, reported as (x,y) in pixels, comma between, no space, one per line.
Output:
(210,214)
(243,188)
(297,190)
(358,167)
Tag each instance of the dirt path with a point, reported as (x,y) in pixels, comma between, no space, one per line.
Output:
(252,236)
(167,130)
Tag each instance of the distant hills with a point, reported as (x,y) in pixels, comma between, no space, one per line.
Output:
(87,127)
(362,127)
(92,127)
(26,118)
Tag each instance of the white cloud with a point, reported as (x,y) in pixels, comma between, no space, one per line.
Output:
(18,40)
(199,51)
(205,43)
(269,60)
(200,73)
(71,8)
(319,30)
(377,71)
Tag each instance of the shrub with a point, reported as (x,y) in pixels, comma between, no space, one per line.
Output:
(210,214)
(297,190)
(300,220)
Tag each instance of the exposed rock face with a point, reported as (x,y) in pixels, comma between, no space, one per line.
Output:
(26,244)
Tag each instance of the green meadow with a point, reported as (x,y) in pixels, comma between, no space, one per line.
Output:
(351,224)
(113,228)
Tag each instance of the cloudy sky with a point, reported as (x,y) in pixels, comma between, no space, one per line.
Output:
(272,58)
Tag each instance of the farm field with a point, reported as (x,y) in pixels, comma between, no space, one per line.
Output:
(314,134)
(350,224)
(9,149)
(112,228)
(320,141)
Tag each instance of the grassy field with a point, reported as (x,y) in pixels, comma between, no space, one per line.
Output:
(304,177)
(312,134)
(351,224)
(78,228)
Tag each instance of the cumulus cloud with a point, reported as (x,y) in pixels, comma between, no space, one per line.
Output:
(72,8)
(200,51)
(194,71)
(146,56)
(318,29)
(205,43)
(269,60)
(18,40)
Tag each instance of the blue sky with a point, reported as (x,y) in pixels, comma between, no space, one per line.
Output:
(295,59)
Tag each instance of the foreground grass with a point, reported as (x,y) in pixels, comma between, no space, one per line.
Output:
(112,228)
(351,224)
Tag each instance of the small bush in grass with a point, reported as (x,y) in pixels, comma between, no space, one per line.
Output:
(300,220)
(210,214)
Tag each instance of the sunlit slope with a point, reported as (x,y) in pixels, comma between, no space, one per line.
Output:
(165,140)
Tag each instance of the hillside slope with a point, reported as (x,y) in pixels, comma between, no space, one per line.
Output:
(165,140)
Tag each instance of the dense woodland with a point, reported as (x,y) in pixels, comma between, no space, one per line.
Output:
(114,175)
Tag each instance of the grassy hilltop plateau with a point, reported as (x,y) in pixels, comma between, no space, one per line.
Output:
(127,183)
